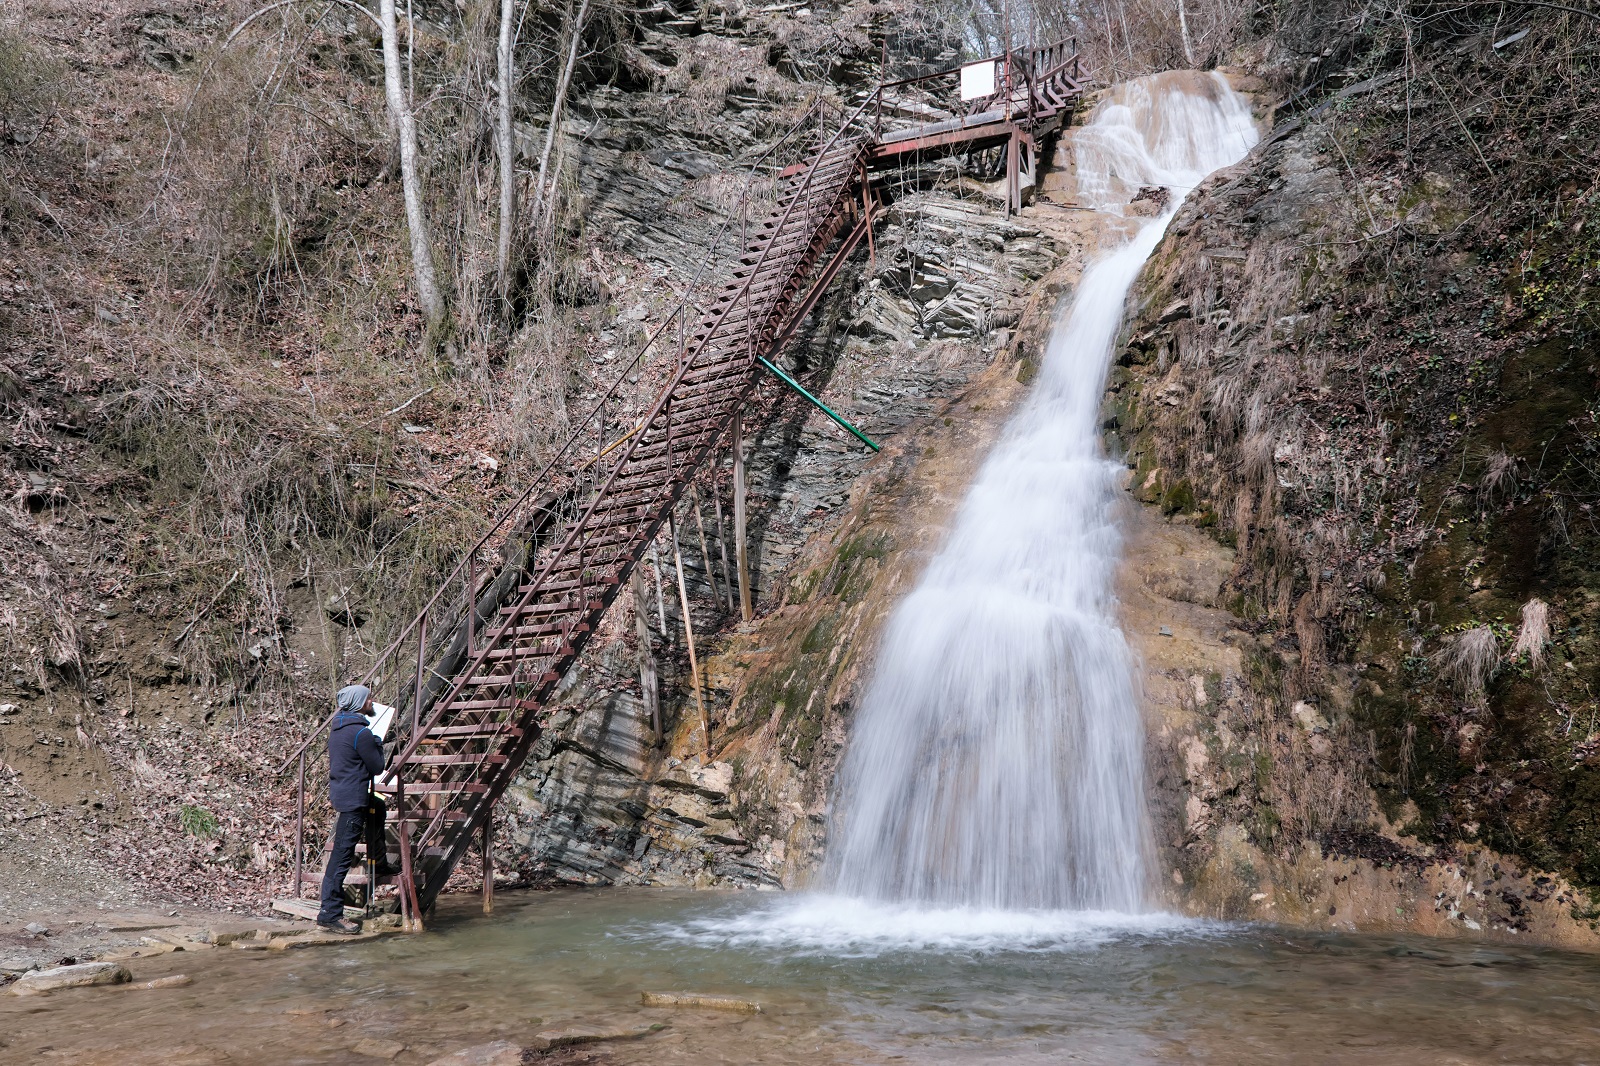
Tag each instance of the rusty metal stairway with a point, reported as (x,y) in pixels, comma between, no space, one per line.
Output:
(473,693)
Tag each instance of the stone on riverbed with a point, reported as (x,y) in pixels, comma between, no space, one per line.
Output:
(499,1053)
(695,1001)
(378,1049)
(83,974)
(549,1039)
(177,980)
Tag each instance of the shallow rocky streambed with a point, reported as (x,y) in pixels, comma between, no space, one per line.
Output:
(837,981)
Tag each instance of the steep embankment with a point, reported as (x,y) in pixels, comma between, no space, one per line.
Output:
(238,454)
(1358,388)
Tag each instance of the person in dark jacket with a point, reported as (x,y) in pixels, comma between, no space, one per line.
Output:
(355,757)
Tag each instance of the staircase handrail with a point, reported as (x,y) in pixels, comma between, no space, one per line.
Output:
(579,528)
(452,664)
(539,480)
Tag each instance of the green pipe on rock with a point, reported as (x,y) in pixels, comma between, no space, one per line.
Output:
(824,408)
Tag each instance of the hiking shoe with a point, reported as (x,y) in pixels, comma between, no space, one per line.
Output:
(341,926)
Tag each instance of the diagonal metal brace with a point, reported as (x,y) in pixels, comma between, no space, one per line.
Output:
(824,408)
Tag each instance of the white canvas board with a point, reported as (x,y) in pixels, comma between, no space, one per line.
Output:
(382,719)
(977,79)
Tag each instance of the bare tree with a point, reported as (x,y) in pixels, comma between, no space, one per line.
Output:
(406,129)
(1183,28)
(505,147)
(542,199)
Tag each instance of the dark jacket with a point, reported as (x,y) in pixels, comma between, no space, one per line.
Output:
(355,757)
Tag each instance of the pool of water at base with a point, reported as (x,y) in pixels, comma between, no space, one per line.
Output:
(839,982)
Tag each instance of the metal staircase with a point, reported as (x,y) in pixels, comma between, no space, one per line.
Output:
(475,672)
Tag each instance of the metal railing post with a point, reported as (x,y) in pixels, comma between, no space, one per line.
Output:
(488,861)
(300,829)
(416,702)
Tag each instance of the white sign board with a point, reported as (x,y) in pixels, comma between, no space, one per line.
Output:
(977,79)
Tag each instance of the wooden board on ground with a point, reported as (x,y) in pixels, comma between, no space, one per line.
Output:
(309,908)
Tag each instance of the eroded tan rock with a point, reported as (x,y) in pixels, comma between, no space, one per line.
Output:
(387,1050)
(695,1001)
(85,974)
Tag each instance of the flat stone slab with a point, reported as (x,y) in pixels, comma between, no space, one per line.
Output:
(309,940)
(549,1039)
(499,1053)
(82,975)
(695,1001)
(148,949)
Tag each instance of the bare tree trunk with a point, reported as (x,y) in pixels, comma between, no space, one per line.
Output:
(508,188)
(542,198)
(406,129)
(1183,27)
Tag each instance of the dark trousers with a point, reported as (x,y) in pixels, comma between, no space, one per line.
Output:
(351,828)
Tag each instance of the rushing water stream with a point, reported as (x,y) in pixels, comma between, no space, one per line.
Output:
(997,760)
(988,878)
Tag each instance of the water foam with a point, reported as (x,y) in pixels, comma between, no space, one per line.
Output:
(846,927)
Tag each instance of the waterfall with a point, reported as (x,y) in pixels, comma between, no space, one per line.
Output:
(997,759)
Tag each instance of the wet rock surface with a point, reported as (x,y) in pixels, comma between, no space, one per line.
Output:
(906,330)
(1307,550)
(81,975)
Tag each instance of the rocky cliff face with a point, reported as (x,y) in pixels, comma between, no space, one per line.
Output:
(1326,398)
(1356,388)
(1355,579)
(924,349)
(1355,396)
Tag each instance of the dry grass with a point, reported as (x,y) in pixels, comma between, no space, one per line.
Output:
(1469,660)
(1534,635)
(30,85)
(1499,478)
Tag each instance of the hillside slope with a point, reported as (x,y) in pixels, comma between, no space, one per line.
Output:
(1365,362)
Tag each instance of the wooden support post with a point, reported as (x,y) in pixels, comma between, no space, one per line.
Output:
(488,862)
(741,550)
(688,633)
(647,658)
(661,599)
(866,210)
(722,548)
(1012,193)
(410,907)
(705,547)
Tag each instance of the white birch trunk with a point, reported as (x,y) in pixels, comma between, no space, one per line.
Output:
(406,129)
(508,188)
(543,200)
(1183,27)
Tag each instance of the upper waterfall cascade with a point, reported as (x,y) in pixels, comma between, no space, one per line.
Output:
(997,759)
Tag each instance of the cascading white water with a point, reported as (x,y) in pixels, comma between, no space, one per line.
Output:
(997,759)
